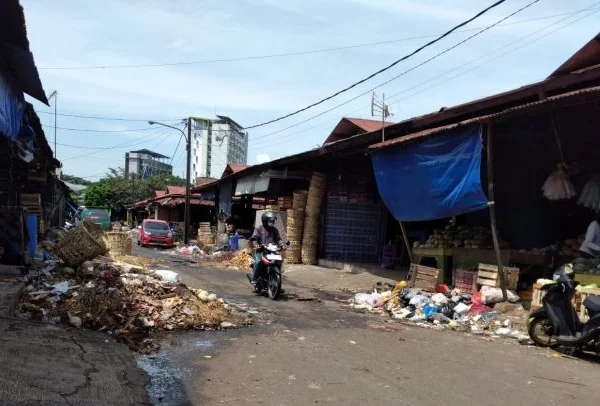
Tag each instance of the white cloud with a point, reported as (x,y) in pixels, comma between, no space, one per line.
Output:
(262,158)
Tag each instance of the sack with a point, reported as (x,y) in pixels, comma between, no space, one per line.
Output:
(491,295)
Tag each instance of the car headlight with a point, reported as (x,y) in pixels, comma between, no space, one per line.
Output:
(170,234)
(148,233)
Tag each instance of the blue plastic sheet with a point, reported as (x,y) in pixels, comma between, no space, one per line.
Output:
(11,110)
(432,178)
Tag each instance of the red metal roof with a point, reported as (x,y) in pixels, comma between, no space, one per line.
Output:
(160,193)
(589,93)
(587,56)
(349,126)
(235,168)
(175,190)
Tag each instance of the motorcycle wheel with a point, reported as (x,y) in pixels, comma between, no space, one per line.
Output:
(274,284)
(540,332)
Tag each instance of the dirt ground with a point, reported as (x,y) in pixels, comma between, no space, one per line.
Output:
(308,348)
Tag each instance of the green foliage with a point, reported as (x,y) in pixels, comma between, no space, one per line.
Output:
(76,180)
(118,191)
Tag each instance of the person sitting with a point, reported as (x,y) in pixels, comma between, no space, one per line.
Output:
(265,234)
(591,246)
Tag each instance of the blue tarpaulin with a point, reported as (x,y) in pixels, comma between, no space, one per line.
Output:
(432,178)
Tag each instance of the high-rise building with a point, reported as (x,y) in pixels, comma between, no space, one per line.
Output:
(216,143)
(145,163)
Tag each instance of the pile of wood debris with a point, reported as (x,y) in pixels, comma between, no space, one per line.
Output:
(127,302)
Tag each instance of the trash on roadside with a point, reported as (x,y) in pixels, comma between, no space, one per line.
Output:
(447,309)
(126,301)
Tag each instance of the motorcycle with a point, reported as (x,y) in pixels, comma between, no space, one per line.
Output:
(270,271)
(556,323)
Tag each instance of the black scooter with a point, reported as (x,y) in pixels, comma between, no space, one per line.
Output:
(270,271)
(556,323)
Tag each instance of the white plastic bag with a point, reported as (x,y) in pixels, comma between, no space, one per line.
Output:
(168,276)
(461,308)
(491,295)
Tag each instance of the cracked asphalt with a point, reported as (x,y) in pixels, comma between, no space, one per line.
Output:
(312,352)
(44,364)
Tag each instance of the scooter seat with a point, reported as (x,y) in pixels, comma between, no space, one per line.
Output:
(592,304)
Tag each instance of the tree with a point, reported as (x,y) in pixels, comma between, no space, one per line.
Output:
(96,196)
(118,191)
(76,180)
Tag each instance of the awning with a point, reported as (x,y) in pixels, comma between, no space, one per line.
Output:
(251,184)
(432,178)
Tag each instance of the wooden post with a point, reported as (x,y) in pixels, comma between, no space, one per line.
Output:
(406,242)
(492,206)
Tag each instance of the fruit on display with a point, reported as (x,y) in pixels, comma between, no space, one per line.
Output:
(459,237)
(587,266)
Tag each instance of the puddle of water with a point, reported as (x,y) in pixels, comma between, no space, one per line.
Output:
(166,386)
(175,366)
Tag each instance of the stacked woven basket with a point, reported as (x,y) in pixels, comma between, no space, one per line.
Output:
(295,227)
(205,234)
(312,213)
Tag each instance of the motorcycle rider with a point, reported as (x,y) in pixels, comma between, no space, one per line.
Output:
(265,234)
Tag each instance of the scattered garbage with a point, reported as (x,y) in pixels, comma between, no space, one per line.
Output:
(448,309)
(126,301)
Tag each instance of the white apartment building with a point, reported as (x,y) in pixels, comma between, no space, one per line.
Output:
(216,143)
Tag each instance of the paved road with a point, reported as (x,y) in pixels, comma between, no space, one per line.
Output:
(315,352)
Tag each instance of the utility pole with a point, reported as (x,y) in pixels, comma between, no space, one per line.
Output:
(186,216)
(55,95)
(188,145)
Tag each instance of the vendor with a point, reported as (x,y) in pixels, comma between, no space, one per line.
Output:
(591,246)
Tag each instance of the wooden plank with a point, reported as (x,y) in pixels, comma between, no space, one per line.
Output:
(486,282)
(487,274)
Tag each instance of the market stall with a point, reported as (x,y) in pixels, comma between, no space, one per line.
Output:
(542,182)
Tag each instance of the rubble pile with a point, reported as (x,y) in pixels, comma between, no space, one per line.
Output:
(480,313)
(125,301)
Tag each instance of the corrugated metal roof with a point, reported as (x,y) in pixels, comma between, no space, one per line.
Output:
(176,190)
(349,126)
(588,55)
(578,94)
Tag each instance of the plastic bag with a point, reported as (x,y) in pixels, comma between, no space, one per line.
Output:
(461,308)
(439,298)
(491,295)
(429,310)
(168,276)
(419,300)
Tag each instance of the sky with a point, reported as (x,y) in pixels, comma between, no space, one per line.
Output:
(214,61)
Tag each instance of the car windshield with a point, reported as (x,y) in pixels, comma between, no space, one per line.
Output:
(98,214)
(156,226)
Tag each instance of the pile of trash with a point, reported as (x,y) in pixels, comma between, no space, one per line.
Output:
(126,301)
(479,313)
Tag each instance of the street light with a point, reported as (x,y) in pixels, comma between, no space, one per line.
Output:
(186,210)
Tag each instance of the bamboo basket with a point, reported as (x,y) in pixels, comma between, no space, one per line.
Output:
(118,243)
(299,199)
(84,242)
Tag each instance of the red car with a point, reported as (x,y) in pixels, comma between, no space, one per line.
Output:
(155,232)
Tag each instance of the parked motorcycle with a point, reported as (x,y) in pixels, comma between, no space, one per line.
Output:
(270,270)
(557,324)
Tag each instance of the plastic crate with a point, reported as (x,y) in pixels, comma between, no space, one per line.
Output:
(465,280)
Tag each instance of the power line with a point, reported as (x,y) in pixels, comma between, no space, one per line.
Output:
(101,131)
(570,15)
(395,77)
(593,9)
(124,145)
(105,118)
(382,69)
(278,55)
